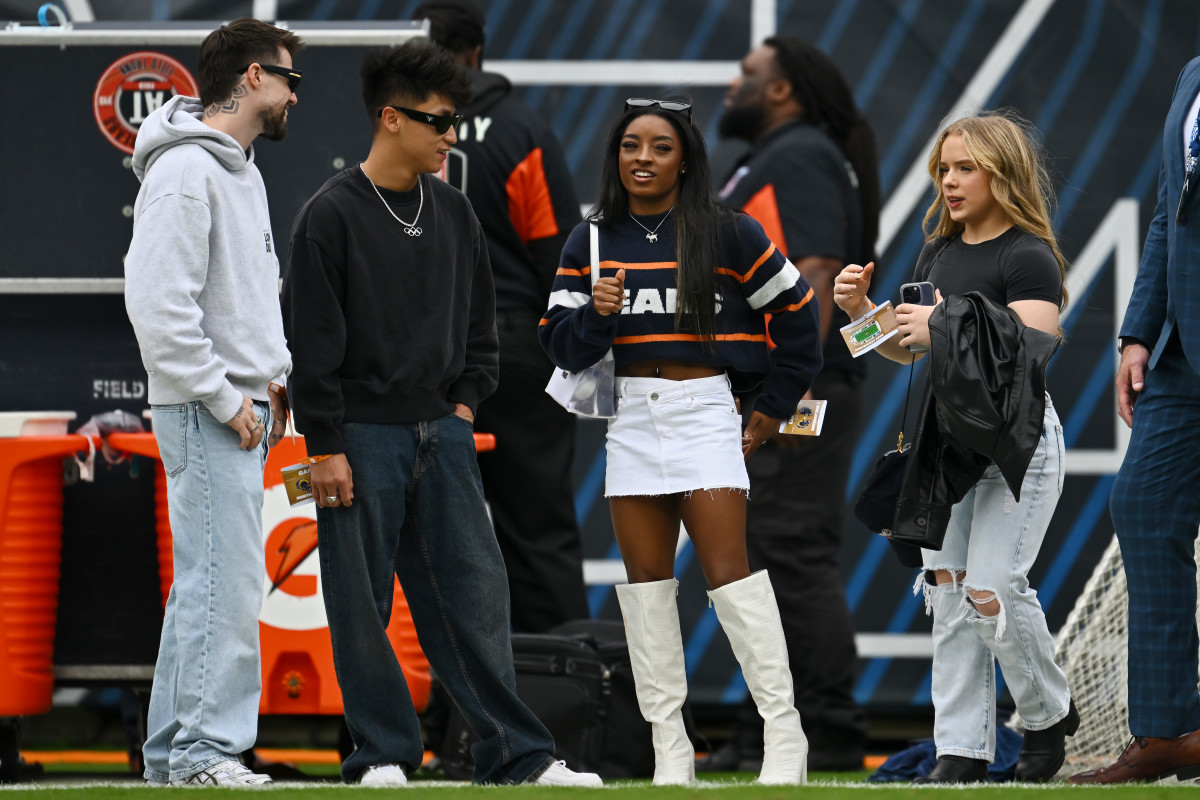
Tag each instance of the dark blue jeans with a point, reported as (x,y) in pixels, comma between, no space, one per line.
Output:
(419,514)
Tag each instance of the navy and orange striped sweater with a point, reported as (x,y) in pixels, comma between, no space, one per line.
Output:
(754,279)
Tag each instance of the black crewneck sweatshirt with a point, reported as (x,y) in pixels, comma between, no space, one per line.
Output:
(385,326)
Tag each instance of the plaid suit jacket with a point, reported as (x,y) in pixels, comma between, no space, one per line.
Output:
(1166,293)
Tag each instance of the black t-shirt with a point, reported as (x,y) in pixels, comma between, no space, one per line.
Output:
(1016,265)
(803,191)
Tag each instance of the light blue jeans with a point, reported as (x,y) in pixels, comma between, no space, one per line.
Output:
(204,701)
(995,540)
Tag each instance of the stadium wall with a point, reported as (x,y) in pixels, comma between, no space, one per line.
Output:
(1095,76)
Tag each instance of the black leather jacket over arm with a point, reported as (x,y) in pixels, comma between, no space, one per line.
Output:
(984,403)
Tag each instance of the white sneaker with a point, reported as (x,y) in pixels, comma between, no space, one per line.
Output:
(558,775)
(224,773)
(384,775)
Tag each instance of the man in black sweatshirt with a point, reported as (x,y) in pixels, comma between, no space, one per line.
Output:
(389,310)
(510,166)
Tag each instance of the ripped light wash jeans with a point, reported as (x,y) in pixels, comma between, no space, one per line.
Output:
(995,540)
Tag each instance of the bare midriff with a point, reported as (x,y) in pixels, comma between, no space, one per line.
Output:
(668,370)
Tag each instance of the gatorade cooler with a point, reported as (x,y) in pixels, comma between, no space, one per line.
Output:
(32,448)
(298,675)
(144,444)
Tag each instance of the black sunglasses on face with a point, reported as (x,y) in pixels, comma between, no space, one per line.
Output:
(292,75)
(440,122)
(665,105)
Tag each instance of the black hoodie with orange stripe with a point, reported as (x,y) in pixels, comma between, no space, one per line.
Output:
(510,166)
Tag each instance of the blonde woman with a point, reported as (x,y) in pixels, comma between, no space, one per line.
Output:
(988,232)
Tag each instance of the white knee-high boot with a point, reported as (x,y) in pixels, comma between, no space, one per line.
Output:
(656,654)
(750,617)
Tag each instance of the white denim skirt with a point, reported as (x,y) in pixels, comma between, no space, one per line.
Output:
(674,436)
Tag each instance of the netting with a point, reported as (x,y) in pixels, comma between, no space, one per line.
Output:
(1091,648)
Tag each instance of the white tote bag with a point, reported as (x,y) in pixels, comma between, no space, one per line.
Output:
(590,392)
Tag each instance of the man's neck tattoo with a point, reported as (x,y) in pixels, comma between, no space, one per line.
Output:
(230,106)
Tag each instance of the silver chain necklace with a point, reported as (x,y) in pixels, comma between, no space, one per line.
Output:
(409,227)
(651,235)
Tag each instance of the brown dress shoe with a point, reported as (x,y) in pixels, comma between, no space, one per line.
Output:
(1149,759)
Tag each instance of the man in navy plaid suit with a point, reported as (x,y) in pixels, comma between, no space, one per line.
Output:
(1154,503)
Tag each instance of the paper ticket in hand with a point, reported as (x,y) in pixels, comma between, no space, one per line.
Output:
(871,330)
(808,419)
(297,483)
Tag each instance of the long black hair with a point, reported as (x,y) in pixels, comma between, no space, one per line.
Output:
(828,102)
(699,216)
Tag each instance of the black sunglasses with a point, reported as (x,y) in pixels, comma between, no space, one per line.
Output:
(292,75)
(665,105)
(440,122)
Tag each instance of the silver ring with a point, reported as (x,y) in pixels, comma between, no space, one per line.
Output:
(331,499)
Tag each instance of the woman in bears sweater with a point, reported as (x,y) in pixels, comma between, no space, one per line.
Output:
(685,286)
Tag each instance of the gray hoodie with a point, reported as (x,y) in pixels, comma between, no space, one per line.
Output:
(201,275)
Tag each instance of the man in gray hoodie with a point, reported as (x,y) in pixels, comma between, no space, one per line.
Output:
(201,289)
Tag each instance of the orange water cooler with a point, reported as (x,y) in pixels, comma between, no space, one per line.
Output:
(144,444)
(33,446)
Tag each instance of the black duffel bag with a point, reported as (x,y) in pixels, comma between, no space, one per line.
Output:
(578,681)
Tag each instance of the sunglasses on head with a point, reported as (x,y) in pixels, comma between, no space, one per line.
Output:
(665,105)
(291,74)
(440,122)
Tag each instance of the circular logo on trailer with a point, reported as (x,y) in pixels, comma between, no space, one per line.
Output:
(131,88)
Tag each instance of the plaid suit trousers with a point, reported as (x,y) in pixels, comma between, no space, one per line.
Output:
(1155,507)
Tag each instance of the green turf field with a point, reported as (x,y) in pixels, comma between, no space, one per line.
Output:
(823,786)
